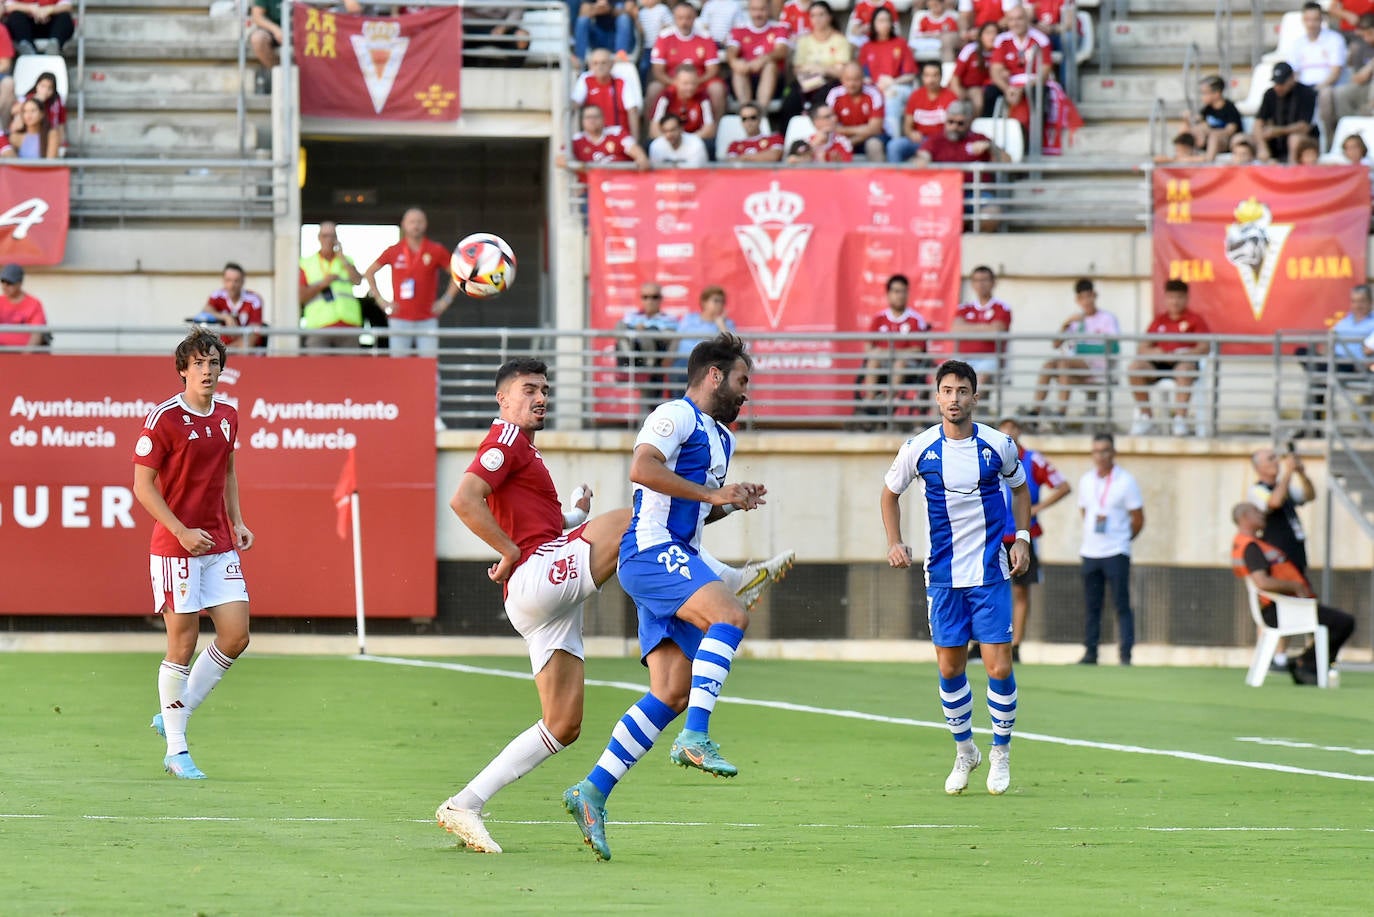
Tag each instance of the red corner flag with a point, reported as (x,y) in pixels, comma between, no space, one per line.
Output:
(343,494)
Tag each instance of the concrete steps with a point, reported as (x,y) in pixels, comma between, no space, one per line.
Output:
(124,36)
(163,135)
(1119,139)
(173,79)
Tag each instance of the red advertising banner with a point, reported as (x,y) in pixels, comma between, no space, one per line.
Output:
(796,251)
(75,541)
(1262,248)
(34,207)
(393,68)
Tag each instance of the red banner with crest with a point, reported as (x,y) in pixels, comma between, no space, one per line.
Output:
(796,251)
(393,68)
(1263,248)
(34,208)
(75,541)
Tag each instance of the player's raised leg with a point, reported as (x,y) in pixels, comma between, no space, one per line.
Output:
(714,610)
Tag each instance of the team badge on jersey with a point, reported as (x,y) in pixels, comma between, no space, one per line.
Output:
(143,446)
(663,426)
(493,459)
(224,428)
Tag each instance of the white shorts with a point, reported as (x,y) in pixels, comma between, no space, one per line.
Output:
(545,593)
(187,585)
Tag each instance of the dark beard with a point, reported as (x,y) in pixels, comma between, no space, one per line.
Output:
(724,409)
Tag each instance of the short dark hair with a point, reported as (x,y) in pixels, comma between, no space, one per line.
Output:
(1313,5)
(1185,139)
(1366,21)
(1214,83)
(1083,285)
(932,63)
(747,106)
(823,5)
(721,351)
(234,266)
(663,122)
(202,342)
(520,366)
(1103,436)
(1243,141)
(958,369)
(686,65)
(898,278)
(983,269)
(1176,286)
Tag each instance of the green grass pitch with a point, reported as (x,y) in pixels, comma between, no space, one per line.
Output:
(325,772)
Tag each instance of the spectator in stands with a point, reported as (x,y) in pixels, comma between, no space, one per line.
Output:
(1348,331)
(1270,569)
(1243,151)
(973,68)
(674,148)
(1306,152)
(925,114)
(1184,150)
(602,24)
(653,18)
(1354,152)
(827,143)
(1053,18)
(796,15)
(720,18)
(492,27)
(757,55)
(30,136)
(1216,122)
(816,62)
(704,324)
(1346,14)
(419,265)
(265,38)
(688,101)
(27,22)
(1316,54)
(618,100)
(983,313)
(597,143)
(1167,357)
(1020,51)
(19,308)
(327,279)
(858,109)
(755,146)
(1285,115)
(1352,97)
(936,23)
(6,69)
(888,63)
(684,45)
(800,152)
(647,353)
(960,144)
(237,308)
(861,16)
(974,14)
(894,368)
(1082,362)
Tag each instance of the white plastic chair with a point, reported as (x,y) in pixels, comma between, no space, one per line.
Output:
(1087,38)
(1290,29)
(1294,617)
(947,71)
(799,128)
(1351,124)
(728,129)
(27,68)
(548,34)
(628,73)
(1005,133)
(1261,80)
(1163,398)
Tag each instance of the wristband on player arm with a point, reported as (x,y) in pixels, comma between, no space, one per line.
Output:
(1023,535)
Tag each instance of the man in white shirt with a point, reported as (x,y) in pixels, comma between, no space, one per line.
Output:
(1113,514)
(674,148)
(1318,54)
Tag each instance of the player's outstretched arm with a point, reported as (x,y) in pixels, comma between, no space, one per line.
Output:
(470,504)
(196,541)
(649,468)
(898,554)
(243,538)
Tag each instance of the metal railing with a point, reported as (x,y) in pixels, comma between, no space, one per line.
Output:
(1223,25)
(1252,386)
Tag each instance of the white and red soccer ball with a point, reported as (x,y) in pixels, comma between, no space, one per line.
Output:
(483,265)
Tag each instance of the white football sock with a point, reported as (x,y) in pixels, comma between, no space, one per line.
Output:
(732,577)
(524,753)
(171,686)
(208,669)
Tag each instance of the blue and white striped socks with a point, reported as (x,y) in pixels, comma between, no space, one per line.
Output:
(710,668)
(631,740)
(957,701)
(1002,708)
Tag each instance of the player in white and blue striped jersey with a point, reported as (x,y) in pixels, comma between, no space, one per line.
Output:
(962,466)
(690,623)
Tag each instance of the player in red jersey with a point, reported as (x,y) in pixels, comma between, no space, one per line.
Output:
(507,498)
(237,307)
(184,477)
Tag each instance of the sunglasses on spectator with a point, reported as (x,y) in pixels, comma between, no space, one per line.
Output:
(650,295)
(956,122)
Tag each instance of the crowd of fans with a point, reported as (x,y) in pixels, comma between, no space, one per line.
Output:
(36,118)
(868,90)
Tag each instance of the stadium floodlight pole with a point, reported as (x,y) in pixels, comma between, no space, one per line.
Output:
(358,574)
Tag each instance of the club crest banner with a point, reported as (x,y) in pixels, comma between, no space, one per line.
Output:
(796,251)
(1262,248)
(395,68)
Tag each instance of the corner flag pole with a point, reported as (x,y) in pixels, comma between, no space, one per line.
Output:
(358,575)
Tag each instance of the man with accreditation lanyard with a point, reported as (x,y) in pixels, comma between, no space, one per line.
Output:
(1113,514)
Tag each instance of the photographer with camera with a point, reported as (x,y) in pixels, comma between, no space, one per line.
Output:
(1282,487)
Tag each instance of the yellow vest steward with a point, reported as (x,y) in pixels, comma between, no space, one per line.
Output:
(345,309)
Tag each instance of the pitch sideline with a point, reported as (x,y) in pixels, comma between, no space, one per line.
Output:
(897,721)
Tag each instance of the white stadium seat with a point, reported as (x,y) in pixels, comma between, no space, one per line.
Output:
(1260,80)
(1005,133)
(1344,128)
(799,128)
(28,67)
(728,129)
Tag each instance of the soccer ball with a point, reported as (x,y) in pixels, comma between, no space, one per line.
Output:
(483,265)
